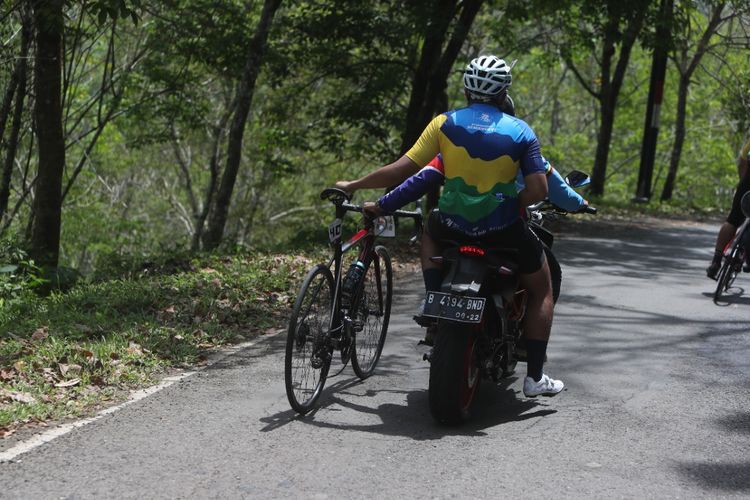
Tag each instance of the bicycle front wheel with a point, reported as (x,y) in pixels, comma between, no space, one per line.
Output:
(729,268)
(308,352)
(373,310)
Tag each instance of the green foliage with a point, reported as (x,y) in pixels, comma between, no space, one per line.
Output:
(19,276)
(330,104)
(115,9)
(63,354)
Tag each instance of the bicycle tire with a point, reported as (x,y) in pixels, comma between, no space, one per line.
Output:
(373,310)
(730,267)
(306,345)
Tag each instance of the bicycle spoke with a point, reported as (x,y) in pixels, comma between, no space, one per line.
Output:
(307,351)
(373,312)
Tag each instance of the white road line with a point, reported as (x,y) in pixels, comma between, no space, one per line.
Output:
(61,430)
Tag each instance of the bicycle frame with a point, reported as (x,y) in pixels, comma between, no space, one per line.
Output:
(365,236)
(738,237)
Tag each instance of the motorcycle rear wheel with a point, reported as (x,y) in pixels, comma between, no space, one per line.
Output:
(454,373)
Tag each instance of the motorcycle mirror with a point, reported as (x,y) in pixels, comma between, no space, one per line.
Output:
(577,179)
(745,204)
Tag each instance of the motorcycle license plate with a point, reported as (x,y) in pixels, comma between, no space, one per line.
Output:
(454,307)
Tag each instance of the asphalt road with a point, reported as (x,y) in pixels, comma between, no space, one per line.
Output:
(657,405)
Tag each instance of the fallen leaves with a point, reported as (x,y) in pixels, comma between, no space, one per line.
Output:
(21,397)
(73,369)
(5,432)
(40,334)
(69,383)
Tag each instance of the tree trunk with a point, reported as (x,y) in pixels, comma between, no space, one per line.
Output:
(213,167)
(20,77)
(435,34)
(606,125)
(428,94)
(256,52)
(610,90)
(47,208)
(679,139)
(686,72)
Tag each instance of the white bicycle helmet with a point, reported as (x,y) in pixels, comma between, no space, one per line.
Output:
(487,76)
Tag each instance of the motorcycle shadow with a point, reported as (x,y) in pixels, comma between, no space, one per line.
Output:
(495,404)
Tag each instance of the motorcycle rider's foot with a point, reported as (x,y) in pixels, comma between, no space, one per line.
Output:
(545,386)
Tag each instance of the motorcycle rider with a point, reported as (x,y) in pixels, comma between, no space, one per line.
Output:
(482,150)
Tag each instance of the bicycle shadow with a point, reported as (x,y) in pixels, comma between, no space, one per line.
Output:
(734,295)
(495,405)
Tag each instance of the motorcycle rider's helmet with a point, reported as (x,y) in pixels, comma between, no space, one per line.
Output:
(486,77)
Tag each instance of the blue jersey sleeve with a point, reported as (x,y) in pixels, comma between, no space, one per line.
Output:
(430,177)
(532,161)
(562,195)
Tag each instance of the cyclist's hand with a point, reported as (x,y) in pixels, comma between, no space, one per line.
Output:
(345,186)
(372,209)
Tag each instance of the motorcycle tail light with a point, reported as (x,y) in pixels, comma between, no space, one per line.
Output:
(473,251)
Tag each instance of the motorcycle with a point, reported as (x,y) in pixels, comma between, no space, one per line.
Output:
(477,315)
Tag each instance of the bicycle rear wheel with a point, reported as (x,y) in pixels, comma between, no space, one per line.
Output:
(308,351)
(373,311)
(730,267)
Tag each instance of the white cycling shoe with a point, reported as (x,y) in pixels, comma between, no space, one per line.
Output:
(545,387)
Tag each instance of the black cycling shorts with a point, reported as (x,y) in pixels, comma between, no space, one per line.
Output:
(736,217)
(518,235)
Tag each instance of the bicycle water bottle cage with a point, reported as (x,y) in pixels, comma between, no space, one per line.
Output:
(335,195)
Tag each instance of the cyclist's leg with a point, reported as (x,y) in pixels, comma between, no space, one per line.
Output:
(537,323)
(430,247)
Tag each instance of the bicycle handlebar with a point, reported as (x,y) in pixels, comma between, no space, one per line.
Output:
(416,214)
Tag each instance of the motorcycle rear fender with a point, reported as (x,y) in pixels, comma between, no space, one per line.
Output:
(465,275)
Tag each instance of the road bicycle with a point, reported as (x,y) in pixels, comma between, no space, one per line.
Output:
(735,253)
(337,311)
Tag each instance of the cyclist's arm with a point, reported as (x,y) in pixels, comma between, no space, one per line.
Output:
(413,188)
(534,171)
(562,195)
(535,190)
(386,176)
(395,173)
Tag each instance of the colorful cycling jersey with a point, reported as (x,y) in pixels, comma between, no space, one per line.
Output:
(432,176)
(482,150)
(745,153)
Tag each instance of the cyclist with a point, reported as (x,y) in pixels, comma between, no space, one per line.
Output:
(735,217)
(432,176)
(482,150)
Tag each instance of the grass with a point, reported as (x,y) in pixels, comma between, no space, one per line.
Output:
(68,354)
